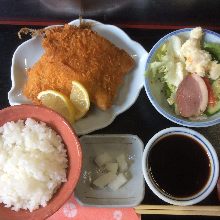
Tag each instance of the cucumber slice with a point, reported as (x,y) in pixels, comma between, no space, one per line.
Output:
(213,109)
(216,87)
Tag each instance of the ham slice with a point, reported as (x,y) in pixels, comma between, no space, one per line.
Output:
(192,96)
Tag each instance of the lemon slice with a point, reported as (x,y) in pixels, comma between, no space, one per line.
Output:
(59,103)
(80,99)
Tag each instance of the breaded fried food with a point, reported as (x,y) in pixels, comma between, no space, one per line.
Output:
(74,53)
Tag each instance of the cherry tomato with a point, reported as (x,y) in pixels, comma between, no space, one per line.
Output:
(211,96)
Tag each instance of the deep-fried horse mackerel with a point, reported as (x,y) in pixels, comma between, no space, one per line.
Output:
(74,53)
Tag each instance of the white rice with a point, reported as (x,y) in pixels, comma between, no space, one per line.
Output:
(33,164)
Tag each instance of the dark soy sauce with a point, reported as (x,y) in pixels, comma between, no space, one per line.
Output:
(179,165)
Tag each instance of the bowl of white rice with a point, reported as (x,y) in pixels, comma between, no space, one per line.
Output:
(40,162)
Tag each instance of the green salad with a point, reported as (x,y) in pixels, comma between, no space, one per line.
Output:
(189,70)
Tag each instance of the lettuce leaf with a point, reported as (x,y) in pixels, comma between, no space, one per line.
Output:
(213,49)
(169,68)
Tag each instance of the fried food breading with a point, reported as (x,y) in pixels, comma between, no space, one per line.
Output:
(74,53)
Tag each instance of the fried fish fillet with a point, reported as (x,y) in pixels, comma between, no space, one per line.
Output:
(74,53)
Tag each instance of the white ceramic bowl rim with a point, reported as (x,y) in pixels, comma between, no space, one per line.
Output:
(152,99)
(213,158)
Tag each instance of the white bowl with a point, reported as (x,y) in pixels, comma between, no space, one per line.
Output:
(129,195)
(157,98)
(30,51)
(214,163)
